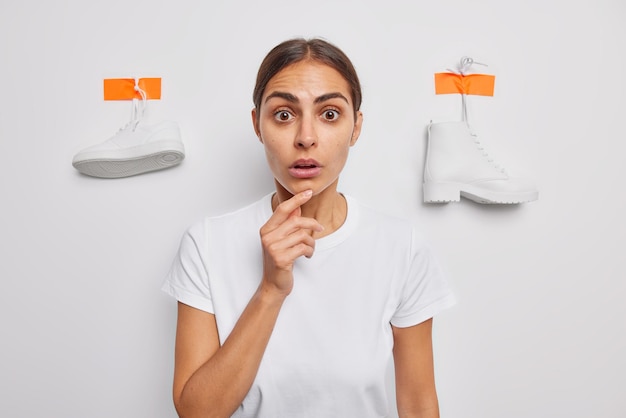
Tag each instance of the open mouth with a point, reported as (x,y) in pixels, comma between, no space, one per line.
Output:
(305,169)
(305,163)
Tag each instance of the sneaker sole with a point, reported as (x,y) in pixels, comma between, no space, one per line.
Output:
(131,161)
(452,192)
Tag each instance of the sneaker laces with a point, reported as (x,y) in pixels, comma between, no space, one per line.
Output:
(137,110)
(463,67)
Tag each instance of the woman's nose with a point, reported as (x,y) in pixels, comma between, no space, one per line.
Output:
(306,136)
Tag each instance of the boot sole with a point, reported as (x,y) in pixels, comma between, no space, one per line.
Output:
(452,192)
(131,161)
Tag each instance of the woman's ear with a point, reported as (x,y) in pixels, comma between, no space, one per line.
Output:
(255,124)
(357,128)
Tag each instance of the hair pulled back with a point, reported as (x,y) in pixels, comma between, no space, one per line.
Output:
(299,49)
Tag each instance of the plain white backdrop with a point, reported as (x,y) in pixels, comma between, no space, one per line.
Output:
(540,325)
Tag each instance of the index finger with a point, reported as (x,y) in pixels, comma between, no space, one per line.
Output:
(286,208)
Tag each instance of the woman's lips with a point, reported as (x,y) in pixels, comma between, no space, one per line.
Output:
(304,169)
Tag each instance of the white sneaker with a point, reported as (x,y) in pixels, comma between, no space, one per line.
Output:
(135,149)
(457,165)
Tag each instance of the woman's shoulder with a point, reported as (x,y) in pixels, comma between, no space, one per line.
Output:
(371,214)
(251,214)
(260,206)
(386,224)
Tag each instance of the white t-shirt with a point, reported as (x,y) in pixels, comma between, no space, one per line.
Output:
(332,342)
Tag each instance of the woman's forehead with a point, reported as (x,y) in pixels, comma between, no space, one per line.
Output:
(307,77)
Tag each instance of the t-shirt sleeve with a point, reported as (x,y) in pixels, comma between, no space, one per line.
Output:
(426,291)
(187,280)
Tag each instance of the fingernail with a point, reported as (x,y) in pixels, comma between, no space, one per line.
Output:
(308,193)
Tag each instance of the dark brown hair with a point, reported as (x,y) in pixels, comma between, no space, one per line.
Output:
(298,49)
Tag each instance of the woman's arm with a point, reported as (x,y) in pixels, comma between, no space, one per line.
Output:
(209,380)
(416,395)
(212,380)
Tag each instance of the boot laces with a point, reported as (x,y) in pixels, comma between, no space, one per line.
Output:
(463,67)
(137,111)
(485,154)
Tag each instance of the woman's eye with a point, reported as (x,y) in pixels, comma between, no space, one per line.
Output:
(331,115)
(282,116)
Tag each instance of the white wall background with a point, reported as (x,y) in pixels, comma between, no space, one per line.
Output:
(540,327)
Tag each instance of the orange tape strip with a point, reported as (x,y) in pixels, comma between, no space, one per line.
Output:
(475,84)
(124,88)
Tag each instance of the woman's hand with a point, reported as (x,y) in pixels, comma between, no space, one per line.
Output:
(286,236)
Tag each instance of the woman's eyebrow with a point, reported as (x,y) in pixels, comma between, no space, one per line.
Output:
(329,96)
(287,96)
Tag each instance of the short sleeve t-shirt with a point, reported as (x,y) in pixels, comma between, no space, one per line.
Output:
(332,343)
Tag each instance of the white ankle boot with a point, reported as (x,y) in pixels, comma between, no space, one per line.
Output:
(456,165)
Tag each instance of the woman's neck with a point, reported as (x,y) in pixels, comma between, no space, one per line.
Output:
(328,207)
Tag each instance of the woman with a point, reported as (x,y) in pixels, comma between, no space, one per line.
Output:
(303,321)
